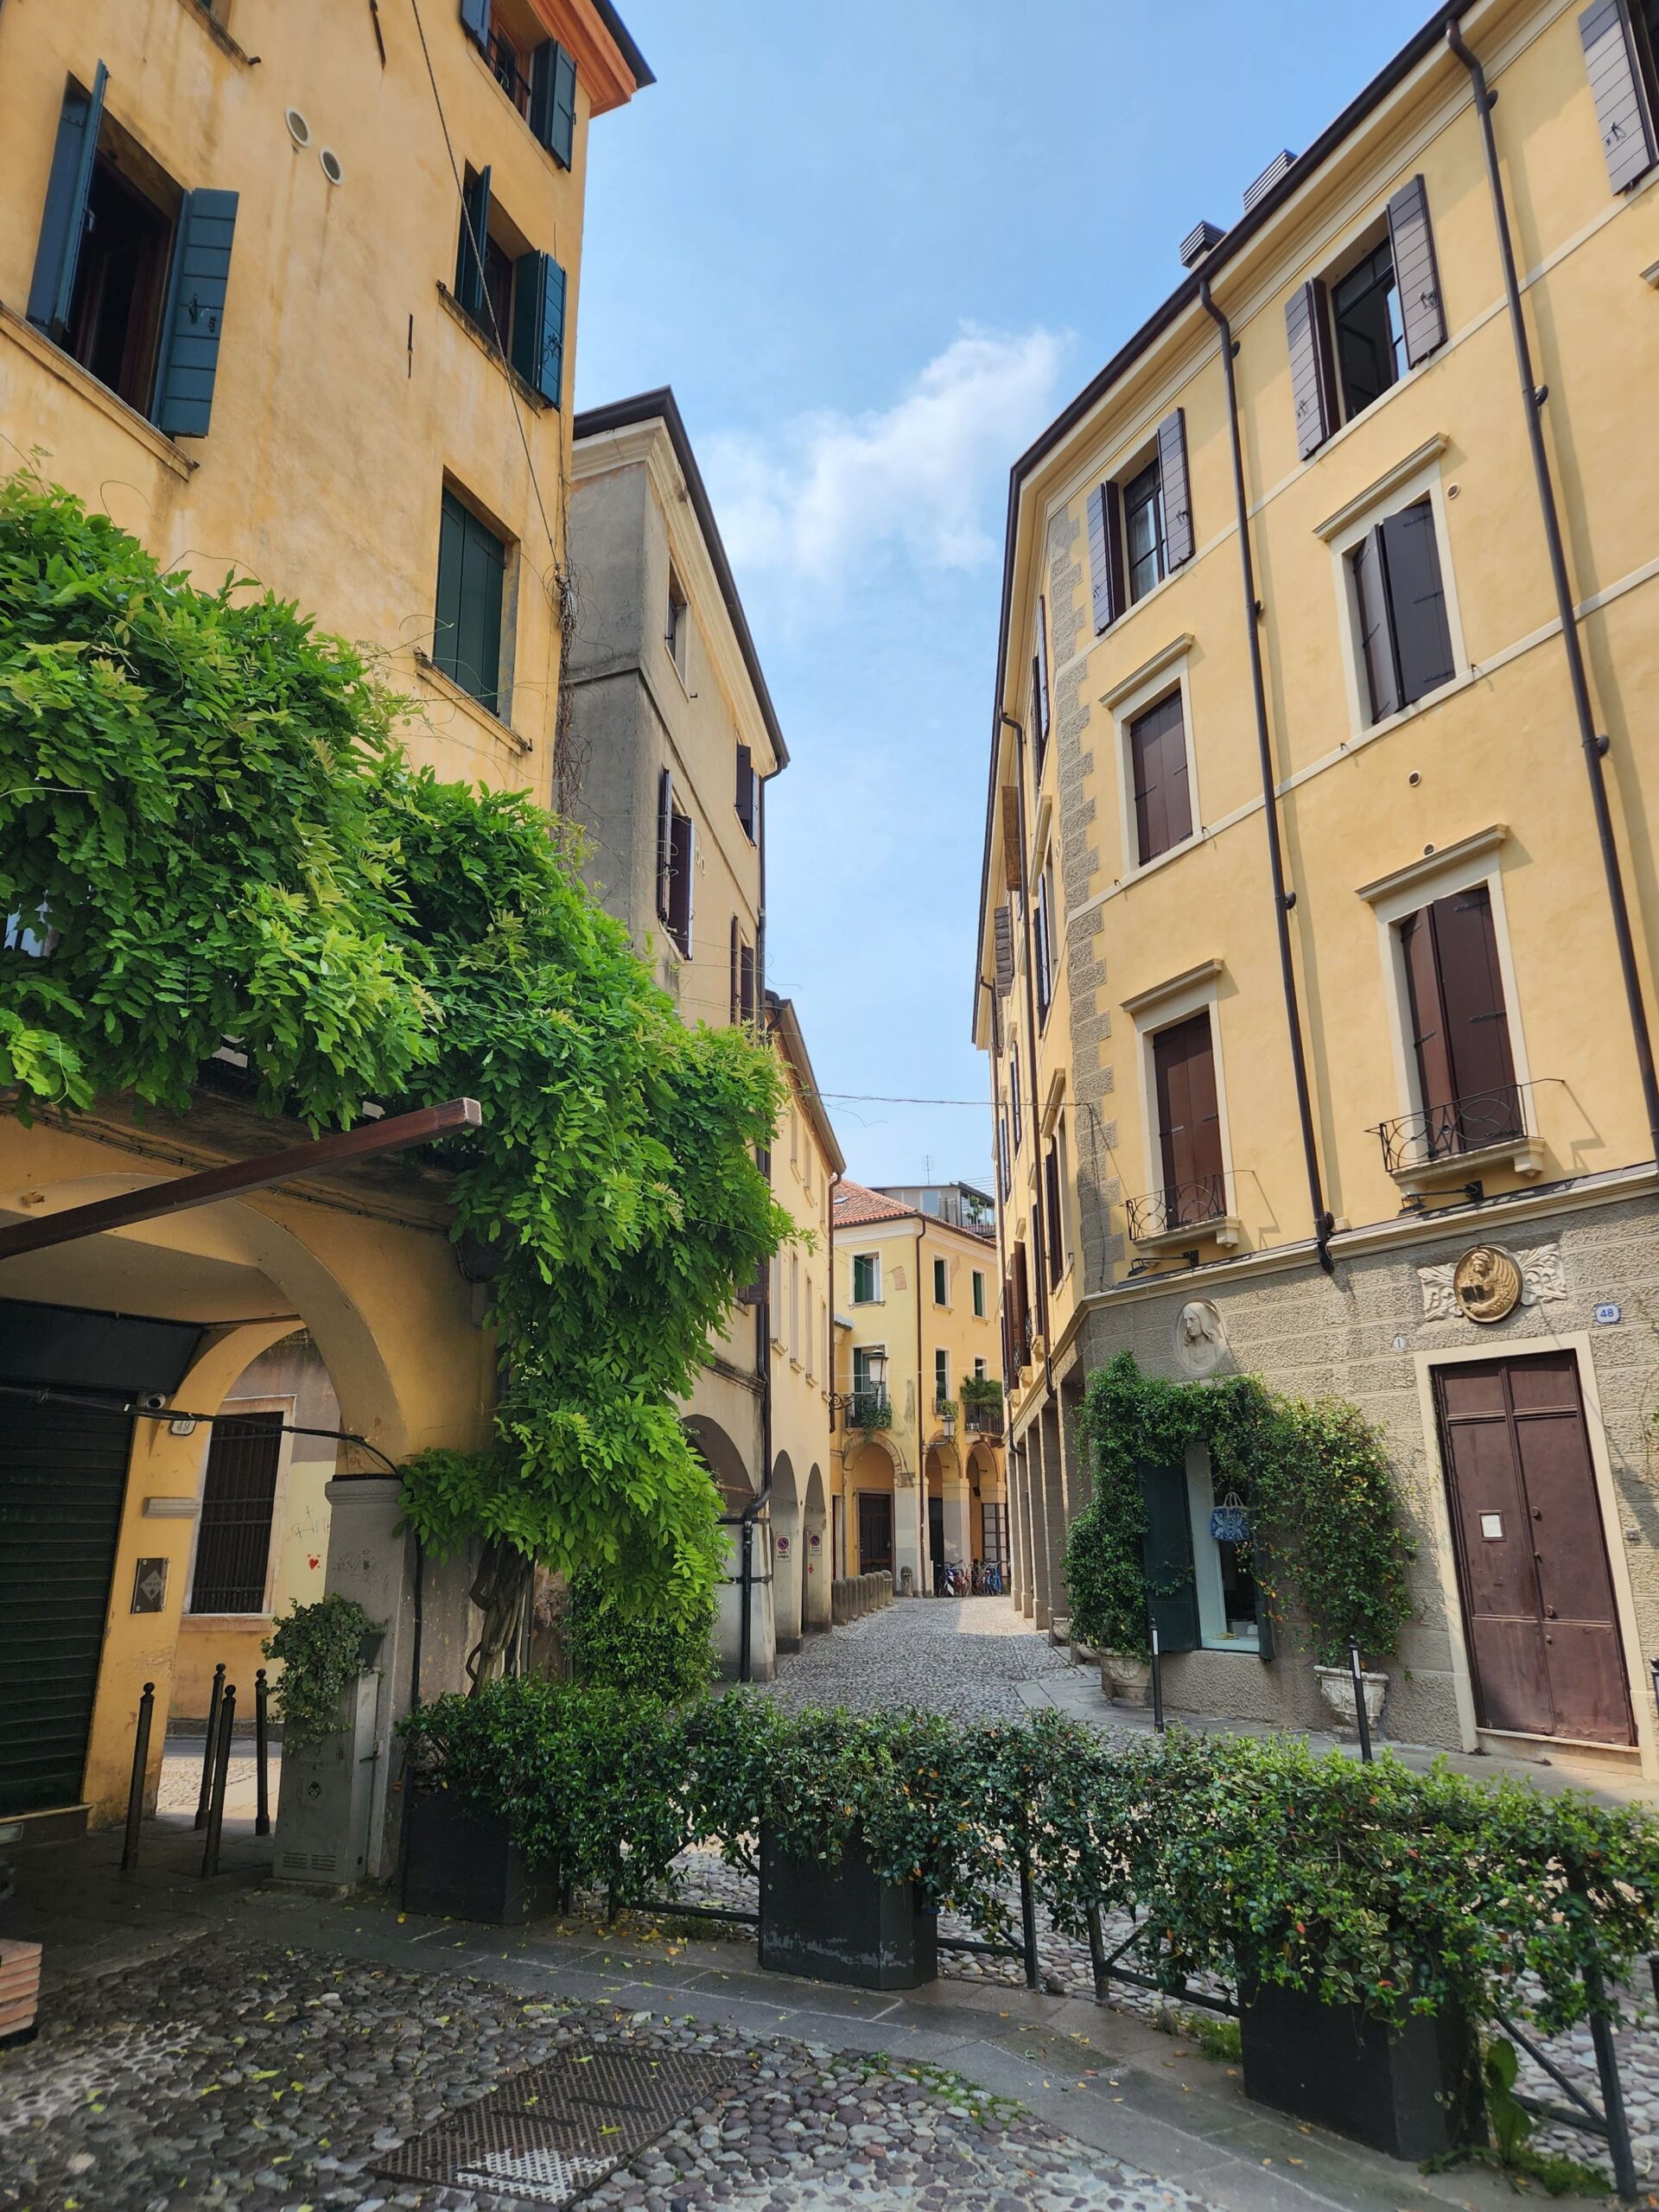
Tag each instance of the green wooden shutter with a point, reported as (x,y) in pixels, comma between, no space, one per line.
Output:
(63,224)
(1172,1587)
(474,226)
(538,323)
(194,321)
(1261,1565)
(466,635)
(553,99)
(475,18)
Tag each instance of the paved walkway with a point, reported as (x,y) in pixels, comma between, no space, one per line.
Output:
(220,2043)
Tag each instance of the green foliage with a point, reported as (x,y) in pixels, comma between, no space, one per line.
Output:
(1325,1512)
(610,1646)
(321,1648)
(1363,1884)
(1511,2150)
(201,801)
(980,1390)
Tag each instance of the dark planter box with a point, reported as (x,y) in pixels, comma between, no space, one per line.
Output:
(1412,2091)
(464,1865)
(843,1923)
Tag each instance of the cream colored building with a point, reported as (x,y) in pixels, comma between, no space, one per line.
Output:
(1301,988)
(919,1481)
(252,311)
(806,1163)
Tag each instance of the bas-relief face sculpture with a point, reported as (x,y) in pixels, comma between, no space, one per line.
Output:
(1200,1338)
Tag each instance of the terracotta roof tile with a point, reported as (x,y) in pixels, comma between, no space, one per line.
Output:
(855,1206)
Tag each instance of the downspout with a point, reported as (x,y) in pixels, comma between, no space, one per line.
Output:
(837,1566)
(763,1310)
(924,1574)
(1283,900)
(1038,1243)
(1594,745)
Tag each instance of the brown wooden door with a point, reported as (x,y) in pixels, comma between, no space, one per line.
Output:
(875,1530)
(1189,1118)
(1532,1555)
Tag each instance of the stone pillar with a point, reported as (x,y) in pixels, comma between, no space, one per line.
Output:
(959,1534)
(1014,1461)
(1054,1510)
(1037,1489)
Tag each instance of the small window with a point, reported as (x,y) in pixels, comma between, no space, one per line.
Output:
(238,1499)
(866,1278)
(514,294)
(678,622)
(941,1283)
(941,1379)
(1160,786)
(979,1305)
(1370,330)
(1143,531)
(979,1370)
(471,573)
(743,974)
(676,844)
(1405,638)
(1053,1212)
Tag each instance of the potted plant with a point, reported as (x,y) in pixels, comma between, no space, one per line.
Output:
(322,1648)
(1337,1689)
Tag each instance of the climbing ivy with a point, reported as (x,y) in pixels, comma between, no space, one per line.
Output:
(209,832)
(1325,1512)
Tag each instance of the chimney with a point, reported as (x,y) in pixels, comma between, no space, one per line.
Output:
(1268,178)
(1197,243)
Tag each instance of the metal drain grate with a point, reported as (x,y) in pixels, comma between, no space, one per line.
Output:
(550,2133)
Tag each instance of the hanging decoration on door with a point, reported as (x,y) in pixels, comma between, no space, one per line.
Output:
(1229,1522)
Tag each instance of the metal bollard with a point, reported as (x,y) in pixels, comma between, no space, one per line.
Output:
(222,1781)
(1097,1954)
(214,1699)
(1157,1682)
(136,1787)
(262,1752)
(1363,1719)
(1028,1927)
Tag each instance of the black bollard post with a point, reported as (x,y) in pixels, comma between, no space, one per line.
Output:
(1028,1927)
(1362,1719)
(1097,1954)
(1157,1682)
(261,1752)
(213,1697)
(222,1781)
(136,1787)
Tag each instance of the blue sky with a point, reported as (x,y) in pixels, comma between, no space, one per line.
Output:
(874,248)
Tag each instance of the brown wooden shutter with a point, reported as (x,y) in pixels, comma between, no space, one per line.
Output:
(1471,993)
(1416,597)
(1010,806)
(1178,497)
(1004,930)
(745,980)
(1428,1040)
(1416,275)
(1312,379)
(745,789)
(1163,802)
(1106,553)
(1189,1118)
(664,847)
(1052,1194)
(1376,634)
(1624,110)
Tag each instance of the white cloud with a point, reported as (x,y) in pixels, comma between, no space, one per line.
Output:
(834,487)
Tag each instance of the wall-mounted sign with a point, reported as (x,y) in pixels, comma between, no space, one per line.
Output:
(814,1539)
(150,1586)
(1606,1315)
(783,1546)
(1491,1527)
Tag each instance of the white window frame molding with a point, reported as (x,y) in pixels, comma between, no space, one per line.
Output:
(232,1410)
(1472,861)
(1438,1503)
(1167,671)
(1206,1561)
(875,1298)
(1415,476)
(1195,991)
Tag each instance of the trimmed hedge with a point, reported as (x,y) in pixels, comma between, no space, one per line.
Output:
(1372,1884)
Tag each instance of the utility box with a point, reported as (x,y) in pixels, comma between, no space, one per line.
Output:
(326,1803)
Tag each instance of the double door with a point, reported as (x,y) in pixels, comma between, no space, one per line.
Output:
(1532,1569)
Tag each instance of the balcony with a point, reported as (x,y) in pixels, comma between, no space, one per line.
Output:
(983,1419)
(867,1409)
(1461,1141)
(506,66)
(1166,1220)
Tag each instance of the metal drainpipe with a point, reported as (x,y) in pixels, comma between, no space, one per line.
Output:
(1038,1242)
(763,1311)
(1282,901)
(923,1573)
(1594,745)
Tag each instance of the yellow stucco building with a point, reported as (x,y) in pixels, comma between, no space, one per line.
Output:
(920,1482)
(1319,918)
(291,293)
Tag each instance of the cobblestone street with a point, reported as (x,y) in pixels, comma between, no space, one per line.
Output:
(965,1656)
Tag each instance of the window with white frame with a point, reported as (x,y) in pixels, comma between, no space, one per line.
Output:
(866,1278)
(1045,927)
(1395,592)
(1184,1106)
(979,1293)
(941,1378)
(941,1283)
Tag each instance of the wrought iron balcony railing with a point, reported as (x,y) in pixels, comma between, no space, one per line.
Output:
(983,1419)
(1183,1206)
(504,64)
(869,1409)
(1447,1132)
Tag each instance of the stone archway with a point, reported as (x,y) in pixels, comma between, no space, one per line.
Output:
(818,1568)
(786,1541)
